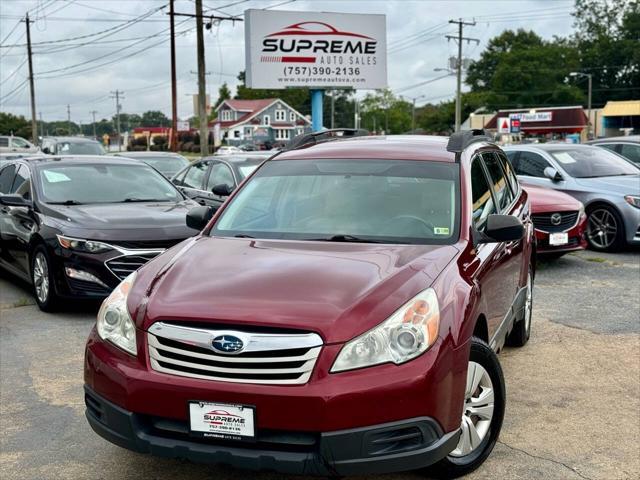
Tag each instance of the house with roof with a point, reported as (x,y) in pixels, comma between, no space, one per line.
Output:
(254,121)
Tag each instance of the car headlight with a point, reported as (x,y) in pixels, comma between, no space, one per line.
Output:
(633,200)
(409,332)
(114,322)
(88,246)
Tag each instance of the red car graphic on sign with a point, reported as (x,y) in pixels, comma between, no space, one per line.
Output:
(321,28)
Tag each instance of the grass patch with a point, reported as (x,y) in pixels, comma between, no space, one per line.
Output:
(596,259)
(21,302)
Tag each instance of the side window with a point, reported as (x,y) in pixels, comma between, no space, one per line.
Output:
(6,178)
(508,170)
(481,198)
(531,164)
(19,143)
(220,173)
(630,151)
(501,188)
(195,175)
(22,183)
(4,141)
(608,146)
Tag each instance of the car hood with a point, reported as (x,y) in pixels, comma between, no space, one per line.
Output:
(123,221)
(627,184)
(546,200)
(338,290)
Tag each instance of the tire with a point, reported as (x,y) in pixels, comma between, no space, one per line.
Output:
(462,461)
(605,229)
(42,279)
(521,331)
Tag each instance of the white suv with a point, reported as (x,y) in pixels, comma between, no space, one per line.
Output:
(10,144)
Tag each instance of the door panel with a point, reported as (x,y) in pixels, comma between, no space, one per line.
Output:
(193,182)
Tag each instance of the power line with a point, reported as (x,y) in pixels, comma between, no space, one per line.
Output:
(411,87)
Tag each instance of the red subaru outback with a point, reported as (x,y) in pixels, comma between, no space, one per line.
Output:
(339,314)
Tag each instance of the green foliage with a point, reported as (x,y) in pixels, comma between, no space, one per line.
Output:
(383,111)
(224,93)
(14,124)
(154,118)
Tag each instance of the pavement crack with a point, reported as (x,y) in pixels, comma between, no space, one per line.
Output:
(569,467)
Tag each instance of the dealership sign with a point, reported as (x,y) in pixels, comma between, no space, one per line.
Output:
(315,50)
(532,117)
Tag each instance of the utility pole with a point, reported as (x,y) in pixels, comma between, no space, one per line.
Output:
(589,78)
(93,113)
(459,39)
(118,95)
(413,116)
(41,124)
(34,125)
(173,146)
(68,119)
(202,86)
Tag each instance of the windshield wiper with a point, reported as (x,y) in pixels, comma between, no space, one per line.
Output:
(242,235)
(66,202)
(134,199)
(344,238)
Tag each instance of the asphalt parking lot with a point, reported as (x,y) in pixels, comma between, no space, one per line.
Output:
(573,392)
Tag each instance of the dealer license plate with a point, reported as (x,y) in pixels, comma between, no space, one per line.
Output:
(558,238)
(221,420)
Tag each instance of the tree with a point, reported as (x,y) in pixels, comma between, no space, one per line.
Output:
(223,94)
(17,125)
(383,111)
(607,42)
(520,69)
(154,118)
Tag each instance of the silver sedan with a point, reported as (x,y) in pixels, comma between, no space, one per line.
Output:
(607,185)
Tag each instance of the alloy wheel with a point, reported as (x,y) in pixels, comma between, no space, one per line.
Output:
(478,410)
(602,228)
(41,277)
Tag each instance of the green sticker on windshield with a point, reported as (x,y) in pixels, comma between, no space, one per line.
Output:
(55,177)
(441,230)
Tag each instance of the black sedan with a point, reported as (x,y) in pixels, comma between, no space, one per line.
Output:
(76,226)
(210,180)
(167,163)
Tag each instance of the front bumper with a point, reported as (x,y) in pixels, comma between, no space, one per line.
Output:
(397,446)
(576,236)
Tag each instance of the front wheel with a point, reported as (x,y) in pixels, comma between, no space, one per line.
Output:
(482,414)
(42,278)
(605,229)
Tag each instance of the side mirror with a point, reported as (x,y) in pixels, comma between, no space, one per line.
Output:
(552,174)
(46,150)
(14,201)
(501,228)
(198,217)
(222,190)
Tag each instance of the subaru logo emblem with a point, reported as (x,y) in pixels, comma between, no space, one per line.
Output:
(556,218)
(227,344)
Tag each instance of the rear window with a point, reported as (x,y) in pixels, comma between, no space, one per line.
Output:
(385,201)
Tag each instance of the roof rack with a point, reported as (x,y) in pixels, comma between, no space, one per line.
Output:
(307,139)
(461,140)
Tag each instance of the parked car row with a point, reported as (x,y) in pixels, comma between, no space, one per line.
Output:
(357,271)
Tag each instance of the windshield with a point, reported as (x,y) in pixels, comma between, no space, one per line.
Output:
(386,201)
(167,165)
(592,162)
(80,148)
(247,169)
(100,183)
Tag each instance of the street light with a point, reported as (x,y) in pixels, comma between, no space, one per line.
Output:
(458,96)
(589,76)
(413,109)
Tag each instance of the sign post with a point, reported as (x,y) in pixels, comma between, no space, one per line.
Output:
(315,50)
(317,114)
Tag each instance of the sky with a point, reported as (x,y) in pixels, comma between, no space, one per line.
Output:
(74,67)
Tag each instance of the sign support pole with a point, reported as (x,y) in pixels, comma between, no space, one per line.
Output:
(317,97)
